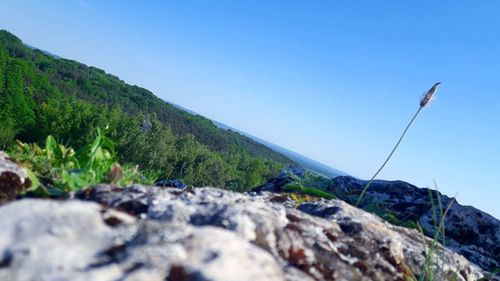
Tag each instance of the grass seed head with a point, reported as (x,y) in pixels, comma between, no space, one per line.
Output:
(427,98)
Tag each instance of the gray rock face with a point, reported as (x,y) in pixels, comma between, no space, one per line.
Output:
(13,178)
(469,231)
(49,240)
(323,240)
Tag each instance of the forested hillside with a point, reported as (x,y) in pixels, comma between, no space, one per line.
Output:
(41,95)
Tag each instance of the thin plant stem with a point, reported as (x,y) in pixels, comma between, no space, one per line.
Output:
(429,254)
(389,157)
(443,242)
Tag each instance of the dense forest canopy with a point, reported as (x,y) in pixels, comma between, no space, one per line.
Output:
(42,95)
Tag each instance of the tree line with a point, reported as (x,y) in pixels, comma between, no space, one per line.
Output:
(41,95)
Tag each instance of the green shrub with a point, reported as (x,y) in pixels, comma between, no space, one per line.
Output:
(298,188)
(394,220)
(61,169)
(301,198)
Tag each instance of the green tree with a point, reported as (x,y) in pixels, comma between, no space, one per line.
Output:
(152,150)
(69,100)
(15,101)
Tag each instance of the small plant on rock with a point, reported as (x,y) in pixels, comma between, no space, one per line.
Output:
(61,169)
(430,269)
(298,188)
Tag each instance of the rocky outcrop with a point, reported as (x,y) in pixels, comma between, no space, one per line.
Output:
(49,240)
(177,183)
(274,184)
(13,178)
(323,240)
(469,231)
(157,233)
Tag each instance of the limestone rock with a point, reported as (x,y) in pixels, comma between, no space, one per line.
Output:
(74,240)
(13,178)
(469,231)
(324,240)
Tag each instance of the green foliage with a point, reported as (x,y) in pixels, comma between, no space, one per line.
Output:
(60,169)
(382,210)
(298,188)
(7,132)
(317,181)
(310,184)
(41,95)
(430,269)
(49,76)
(394,220)
(317,192)
(17,115)
(292,187)
(301,198)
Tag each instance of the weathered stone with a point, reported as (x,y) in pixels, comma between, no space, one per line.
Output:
(177,183)
(274,185)
(469,231)
(13,178)
(73,240)
(47,240)
(132,200)
(323,240)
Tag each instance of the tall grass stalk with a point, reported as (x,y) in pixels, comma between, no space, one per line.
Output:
(424,101)
(427,273)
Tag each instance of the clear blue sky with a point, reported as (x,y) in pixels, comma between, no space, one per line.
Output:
(335,80)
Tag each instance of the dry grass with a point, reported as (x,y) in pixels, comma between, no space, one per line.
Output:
(424,101)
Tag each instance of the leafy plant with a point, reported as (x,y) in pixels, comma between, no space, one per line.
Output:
(60,169)
(301,198)
(382,210)
(298,188)
(394,220)
(41,95)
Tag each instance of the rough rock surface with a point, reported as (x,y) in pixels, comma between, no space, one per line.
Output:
(323,240)
(13,178)
(73,240)
(469,231)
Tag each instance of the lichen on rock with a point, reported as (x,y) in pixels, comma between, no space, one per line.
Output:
(322,240)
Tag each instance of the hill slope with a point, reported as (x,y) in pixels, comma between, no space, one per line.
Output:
(42,95)
(96,86)
(304,161)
